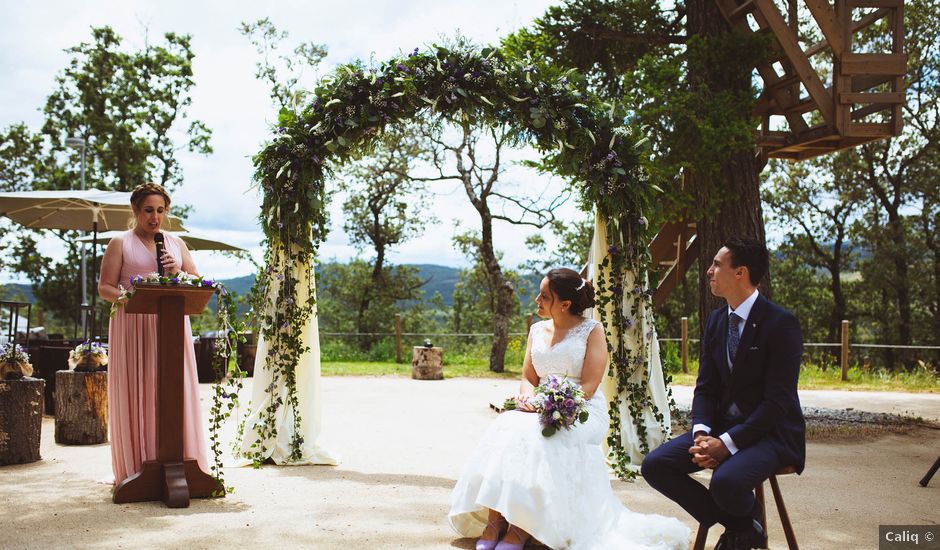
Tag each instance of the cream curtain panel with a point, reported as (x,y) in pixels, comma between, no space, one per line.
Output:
(308,391)
(641,336)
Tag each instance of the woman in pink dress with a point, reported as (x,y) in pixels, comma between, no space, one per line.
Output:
(132,338)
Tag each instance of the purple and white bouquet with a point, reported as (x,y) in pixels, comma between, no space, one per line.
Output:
(88,356)
(559,403)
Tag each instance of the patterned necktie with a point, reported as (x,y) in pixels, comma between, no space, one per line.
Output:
(734,337)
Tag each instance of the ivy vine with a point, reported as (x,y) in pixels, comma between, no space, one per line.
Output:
(580,137)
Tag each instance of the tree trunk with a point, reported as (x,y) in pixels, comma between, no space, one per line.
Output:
(365,342)
(739,213)
(501,291)
(81,401)
(838,299)
(742,216)
(901,283)
(20,420)
(934,306)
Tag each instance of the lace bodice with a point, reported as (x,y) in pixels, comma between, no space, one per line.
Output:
(566,358)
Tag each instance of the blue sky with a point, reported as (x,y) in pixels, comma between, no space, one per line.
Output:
(237,107)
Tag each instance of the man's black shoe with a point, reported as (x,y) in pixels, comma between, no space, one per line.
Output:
(726,541)
(743,539)
(755,537)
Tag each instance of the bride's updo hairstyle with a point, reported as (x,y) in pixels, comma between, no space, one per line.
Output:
(144,190)
(567,284)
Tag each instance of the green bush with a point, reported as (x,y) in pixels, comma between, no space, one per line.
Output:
(671,357)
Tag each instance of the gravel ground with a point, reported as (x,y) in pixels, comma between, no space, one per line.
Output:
(403,444)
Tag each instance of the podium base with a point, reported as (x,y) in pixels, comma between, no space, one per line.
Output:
(172,482)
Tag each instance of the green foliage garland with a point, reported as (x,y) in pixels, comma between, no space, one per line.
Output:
(580,137)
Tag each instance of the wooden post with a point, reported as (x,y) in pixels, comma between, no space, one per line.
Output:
(845,350)
(685,345)
(528,322)
(398,338)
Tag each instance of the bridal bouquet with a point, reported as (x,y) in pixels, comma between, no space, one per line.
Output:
(559,403)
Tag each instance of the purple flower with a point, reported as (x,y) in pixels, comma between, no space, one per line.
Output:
(637,290)
(400,67)
(643,221)
(175,280)
(613,250)
(616,290)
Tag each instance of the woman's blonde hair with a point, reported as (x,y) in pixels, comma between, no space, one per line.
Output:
(143,191)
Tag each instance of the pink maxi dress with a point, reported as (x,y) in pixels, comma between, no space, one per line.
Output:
(132,375)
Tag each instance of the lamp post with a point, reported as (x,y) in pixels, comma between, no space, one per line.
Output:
(80,144)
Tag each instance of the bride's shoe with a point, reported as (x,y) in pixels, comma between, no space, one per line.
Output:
(487,544)
(520,535)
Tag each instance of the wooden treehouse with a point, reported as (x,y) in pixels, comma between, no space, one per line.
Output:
(861,100)
(815,98)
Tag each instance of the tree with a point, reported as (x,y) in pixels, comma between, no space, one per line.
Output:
(814,203)
(282,73)
(899,173)
(463,160)
(692,92)
(384,208)
(129,107)
(574,245)
(340,288)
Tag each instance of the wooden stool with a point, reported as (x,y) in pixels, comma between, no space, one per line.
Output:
(781,508)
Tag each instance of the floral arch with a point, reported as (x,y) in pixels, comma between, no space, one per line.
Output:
(579,137)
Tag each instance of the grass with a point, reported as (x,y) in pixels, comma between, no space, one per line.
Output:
(814,377)
(363,368)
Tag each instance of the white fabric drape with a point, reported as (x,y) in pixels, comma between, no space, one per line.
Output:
(308,392)
(641,336)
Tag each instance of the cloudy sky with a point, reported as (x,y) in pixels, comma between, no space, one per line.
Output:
(237,107)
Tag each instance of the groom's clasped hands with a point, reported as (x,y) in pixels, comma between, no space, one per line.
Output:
(708,452)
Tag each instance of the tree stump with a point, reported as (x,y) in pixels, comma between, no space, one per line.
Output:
(427,363)
(21,404)
(81,406)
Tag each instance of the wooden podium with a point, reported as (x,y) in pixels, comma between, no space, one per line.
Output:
(171,477)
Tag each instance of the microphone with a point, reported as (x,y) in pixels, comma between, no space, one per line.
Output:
(158,240)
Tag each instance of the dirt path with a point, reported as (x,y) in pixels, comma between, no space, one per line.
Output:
(403,444)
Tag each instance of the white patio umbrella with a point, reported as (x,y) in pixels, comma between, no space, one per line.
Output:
(193,241)
(87,210)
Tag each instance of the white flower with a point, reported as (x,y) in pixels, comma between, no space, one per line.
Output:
(556,415)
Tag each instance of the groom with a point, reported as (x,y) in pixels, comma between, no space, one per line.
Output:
(747,419)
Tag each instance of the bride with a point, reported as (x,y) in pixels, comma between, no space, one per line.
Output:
(519,484)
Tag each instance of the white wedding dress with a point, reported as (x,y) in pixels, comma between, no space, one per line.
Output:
(555,488)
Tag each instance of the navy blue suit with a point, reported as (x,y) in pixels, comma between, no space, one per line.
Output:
(769,430)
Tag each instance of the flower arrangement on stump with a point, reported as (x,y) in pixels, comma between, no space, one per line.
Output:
(14,362)
(89,357)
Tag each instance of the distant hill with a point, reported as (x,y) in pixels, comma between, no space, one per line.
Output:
(439,278)
(16,292)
